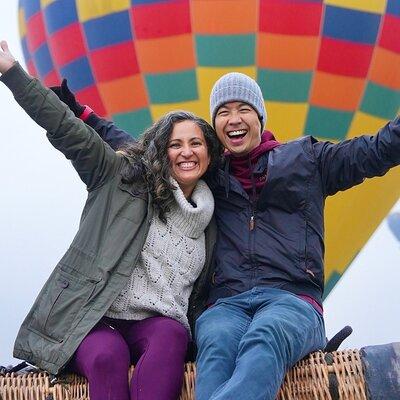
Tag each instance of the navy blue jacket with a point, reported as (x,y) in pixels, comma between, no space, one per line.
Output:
(278,240)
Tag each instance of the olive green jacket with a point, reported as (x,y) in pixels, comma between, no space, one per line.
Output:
(112,231)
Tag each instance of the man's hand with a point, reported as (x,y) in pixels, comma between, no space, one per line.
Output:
(7,60)
(67,97)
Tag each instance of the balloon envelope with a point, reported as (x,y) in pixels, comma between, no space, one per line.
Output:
(327,68)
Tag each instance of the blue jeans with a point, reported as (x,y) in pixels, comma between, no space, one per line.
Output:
(247,342)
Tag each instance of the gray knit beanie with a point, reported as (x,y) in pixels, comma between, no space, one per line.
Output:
(237,87)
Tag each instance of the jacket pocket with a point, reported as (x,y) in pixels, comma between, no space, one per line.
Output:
(60,305)
(302,246)
(309,253)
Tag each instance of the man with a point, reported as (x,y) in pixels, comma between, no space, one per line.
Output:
(264,302)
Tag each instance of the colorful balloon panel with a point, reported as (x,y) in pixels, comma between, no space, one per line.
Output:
(327,68)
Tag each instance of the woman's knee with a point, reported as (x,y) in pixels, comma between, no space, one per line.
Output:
(105,352)
(111,359)
(173,329)
(169,334)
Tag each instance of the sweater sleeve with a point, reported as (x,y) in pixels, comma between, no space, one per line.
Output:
(111,134)
(93,159)
(348,163)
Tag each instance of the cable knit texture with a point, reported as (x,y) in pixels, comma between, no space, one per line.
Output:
(171,260)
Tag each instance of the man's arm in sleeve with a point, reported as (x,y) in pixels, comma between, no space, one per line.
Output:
(348,163)
(107,130)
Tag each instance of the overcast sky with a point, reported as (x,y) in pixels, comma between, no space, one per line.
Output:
(40,204)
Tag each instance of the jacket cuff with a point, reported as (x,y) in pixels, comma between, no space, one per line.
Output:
(92,120)
(86,112)
(16,79)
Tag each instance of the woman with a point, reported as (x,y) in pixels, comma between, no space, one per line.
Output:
(121,292)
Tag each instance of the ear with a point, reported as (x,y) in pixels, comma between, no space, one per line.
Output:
(261,125)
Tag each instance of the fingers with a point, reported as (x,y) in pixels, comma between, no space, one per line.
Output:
(6,50)
(4,47)
(56,90)
(66,89)
(6,58)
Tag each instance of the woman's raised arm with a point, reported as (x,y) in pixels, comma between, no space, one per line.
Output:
(94,160)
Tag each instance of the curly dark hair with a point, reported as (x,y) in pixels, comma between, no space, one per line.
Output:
(149,163)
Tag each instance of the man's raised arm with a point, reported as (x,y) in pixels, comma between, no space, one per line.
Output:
(106,129)
(348,163)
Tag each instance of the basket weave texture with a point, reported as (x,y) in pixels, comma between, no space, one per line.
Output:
(320,376)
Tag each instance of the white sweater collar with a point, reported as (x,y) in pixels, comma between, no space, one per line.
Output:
(188,219)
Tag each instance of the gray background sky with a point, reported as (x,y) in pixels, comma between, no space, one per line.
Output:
(41,199)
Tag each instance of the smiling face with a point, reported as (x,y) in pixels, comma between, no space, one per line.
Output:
(188,155)
(238,127)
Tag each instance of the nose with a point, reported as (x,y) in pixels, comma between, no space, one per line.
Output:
(186,151)
(234,118)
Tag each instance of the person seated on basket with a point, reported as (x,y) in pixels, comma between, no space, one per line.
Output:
(263,312)
(121,292)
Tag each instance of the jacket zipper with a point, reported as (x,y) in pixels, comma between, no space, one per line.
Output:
(252,222)
(252,225)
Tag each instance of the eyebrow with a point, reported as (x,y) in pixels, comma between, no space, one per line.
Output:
(192,138)
(241,103)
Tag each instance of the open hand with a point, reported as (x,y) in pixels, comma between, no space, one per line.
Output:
(7,60)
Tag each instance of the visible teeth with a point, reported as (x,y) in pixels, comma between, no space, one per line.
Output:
(237,133)
(188,164)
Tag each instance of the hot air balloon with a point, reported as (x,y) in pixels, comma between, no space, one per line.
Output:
(327,68)
(393,221)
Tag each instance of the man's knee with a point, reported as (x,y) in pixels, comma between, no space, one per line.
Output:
(212,330)
(216,340)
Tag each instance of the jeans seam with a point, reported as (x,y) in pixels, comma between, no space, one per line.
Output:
(237,352)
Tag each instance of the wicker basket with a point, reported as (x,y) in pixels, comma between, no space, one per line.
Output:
(320,376)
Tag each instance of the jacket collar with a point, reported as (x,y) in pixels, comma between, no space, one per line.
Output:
(230,183)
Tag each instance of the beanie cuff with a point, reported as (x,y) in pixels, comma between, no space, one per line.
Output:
(239,87)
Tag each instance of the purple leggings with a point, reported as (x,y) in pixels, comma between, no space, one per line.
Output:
(157,346)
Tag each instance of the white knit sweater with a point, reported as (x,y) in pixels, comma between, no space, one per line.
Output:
(170,262)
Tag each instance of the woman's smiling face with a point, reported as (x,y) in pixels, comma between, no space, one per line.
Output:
(188,155)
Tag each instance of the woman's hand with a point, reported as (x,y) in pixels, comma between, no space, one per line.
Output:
(7,60)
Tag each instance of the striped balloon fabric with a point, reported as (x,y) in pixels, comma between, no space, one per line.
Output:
(327,68)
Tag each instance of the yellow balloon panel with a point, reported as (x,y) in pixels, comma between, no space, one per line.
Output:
(374,6)
(352,216)
(287,119)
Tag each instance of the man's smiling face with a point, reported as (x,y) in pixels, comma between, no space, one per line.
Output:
(238,127)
